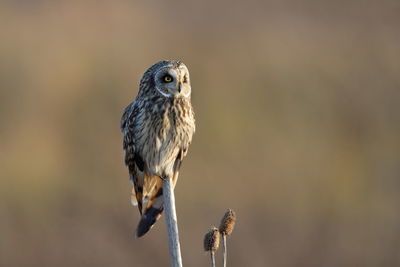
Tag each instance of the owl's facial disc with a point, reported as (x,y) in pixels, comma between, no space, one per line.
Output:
(173,82)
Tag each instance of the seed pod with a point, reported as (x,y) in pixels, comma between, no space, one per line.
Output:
(228,222)
(211,240)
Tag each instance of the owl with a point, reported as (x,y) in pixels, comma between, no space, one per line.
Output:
(157,130)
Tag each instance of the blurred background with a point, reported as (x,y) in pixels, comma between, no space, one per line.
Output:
(298,130)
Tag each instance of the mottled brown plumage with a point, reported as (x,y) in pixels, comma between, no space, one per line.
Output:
(158,128)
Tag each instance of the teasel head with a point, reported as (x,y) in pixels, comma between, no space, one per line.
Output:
(211,240)
(227,222)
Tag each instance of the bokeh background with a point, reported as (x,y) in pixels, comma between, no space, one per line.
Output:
(298,130)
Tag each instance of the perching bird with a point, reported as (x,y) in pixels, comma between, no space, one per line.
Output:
(157,128)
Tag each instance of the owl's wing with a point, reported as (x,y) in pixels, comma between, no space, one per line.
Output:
(153,197)
(133,160)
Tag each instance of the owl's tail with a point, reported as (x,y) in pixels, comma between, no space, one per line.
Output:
(154,208)
(153,204)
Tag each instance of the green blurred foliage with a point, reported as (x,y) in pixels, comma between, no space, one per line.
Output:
(298,130)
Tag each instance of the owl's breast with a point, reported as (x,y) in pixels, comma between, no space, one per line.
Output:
(169,133)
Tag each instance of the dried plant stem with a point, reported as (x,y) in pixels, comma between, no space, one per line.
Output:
(172,223)
(212,253)
(226,228)
(224,249)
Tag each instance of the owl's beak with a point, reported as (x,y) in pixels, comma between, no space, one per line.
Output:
(179,87)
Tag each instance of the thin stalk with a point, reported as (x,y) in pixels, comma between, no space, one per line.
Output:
(224,249)
(212,253)
(172,223)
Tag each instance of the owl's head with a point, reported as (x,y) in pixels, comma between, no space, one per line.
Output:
(169,78)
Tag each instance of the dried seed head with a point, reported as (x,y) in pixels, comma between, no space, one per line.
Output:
(211,240)
(227,222)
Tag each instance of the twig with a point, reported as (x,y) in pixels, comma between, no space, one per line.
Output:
(172,223)
(212,258)
(224,248)
(226,228)
(211,243)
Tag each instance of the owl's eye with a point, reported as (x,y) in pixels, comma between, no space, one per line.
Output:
(167,78)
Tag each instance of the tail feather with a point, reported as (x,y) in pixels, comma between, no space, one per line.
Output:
(147,221)
(154,207)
